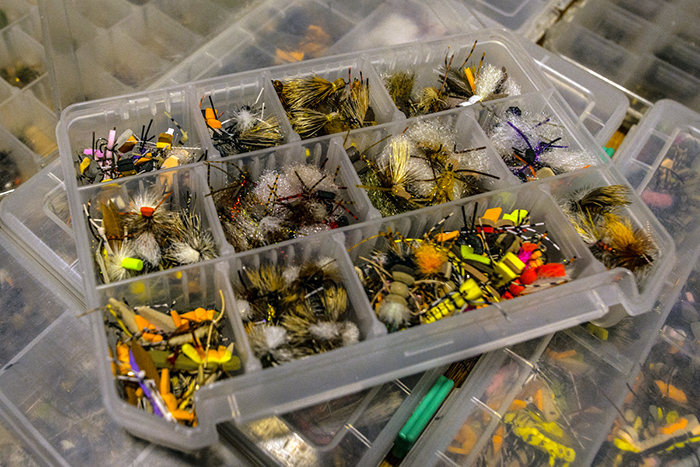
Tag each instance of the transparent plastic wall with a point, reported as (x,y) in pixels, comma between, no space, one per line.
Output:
(529,18)
(649,47)
(27,119)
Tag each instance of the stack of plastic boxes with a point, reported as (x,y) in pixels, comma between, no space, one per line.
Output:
(648,47)
(659,158)
(529,18)
(584,113)
(27,120)
(598,107)
(379,357)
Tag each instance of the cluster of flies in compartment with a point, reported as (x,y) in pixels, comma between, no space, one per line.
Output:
(21,73)
(671,193)
(550,421)
(293,312)
(657,423)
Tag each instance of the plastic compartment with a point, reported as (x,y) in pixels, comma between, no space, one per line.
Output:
(464,423)
(596,53)
(160,34)
(658,79)
(365,432)
(587,297)
(389,25)
(618,26)
(662,162)
(38,218)
(667,365)
(231,95)
(135,40)
(136,114)
(173,189)
(538,108)
(573,382)
(27,123)
(467,135)
(17,163)
(218,58)
(203,18)
(682,328)
(14,10)
(304,30)
(12,451)
(49,395)
(22,57)
(190,287)
(102,13)
(681,55)
(530,18)
(326,154)
(649,284)
(31,123)
(339,67)
(647,9)
(120,55)
(600,106)
(423,59)
(651,63)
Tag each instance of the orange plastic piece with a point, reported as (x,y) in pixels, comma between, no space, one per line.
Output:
(147,211)
(198,315)
(142,324)
(517,404)
(492,214)
(538,399)
(447,236)
(673,427)
(176,318)
(672,392)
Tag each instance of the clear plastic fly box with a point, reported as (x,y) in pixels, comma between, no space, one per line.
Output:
(209,307)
